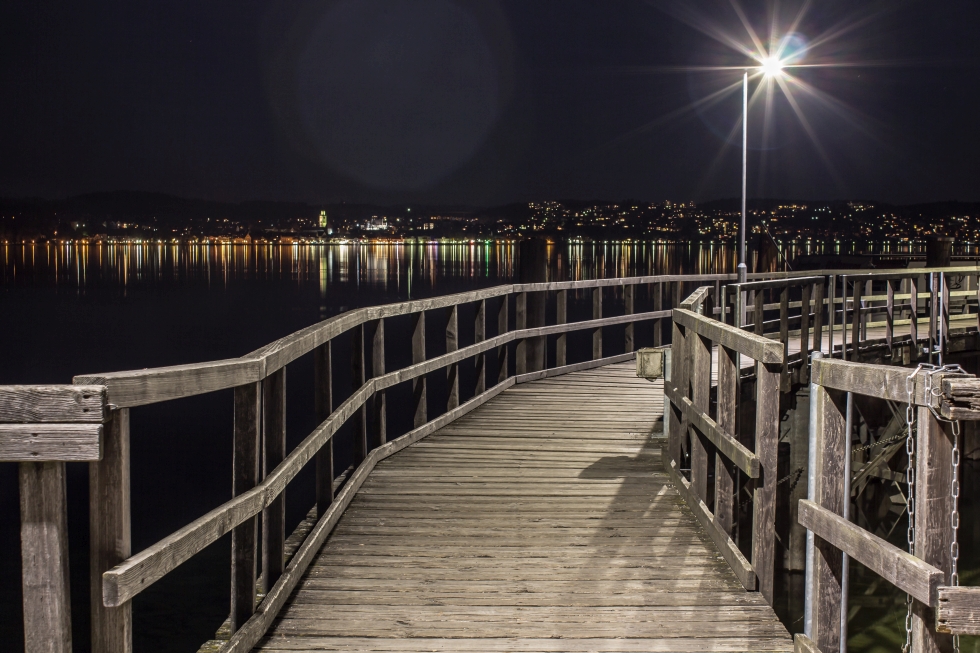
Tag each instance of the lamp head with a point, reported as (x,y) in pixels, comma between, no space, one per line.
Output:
(771,66)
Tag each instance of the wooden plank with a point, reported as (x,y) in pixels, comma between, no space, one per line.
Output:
(520,321)
(726,443)
(906,572)
(803,644)
(818,316)
(44,557)
(823,600)
(933,530)
(883,381)
(764,495)
(50,442)
(700,382)
(576,367)
(889,313)
(378,430)
(273,453)
(479,335)
(805,348)
(246,637)
(658,331)
(245,476)
(36,404)
(323,404)
(728,549)
(561,343)
(758,315)
(110,534)
(418,356)
(597,332)
(784,380)
(358,379)
(452,344)
(755,347)
(676,381)
(958,610)
(503,326)
(724,512)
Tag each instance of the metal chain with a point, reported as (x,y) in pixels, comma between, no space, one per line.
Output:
(954,547)
(901,436)
(910,476)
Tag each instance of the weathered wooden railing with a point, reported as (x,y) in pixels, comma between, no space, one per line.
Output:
(262,467)
(690,422)
(936,398)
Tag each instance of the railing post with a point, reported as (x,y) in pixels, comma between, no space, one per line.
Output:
(818,322)
(933,530)
(831,312)
(758,300)
(764,497)
(855,320)
(944,314)
(700,389)
(826,489)
(725,417)
(110,534)
(480,334)
(418,383)
(658,305)
(379,406)
(889,313)
(561,344)
(597,314)
(520,351)
(914,318)
(44,557)
(245,476)
(784,380)
(806,291)
(503,326)
(628,300)
(323,402)
(933,305)
(680,366)
(357,378)
(273,452)
(452,344)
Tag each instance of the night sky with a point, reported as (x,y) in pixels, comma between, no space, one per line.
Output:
(482,102)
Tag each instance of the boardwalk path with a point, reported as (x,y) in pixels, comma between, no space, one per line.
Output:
(541,521)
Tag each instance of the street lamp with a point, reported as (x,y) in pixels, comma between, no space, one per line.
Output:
(769,66)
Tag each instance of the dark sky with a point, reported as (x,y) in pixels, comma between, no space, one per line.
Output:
(481,101)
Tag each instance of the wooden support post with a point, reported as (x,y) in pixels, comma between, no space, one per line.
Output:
(944,313)
(823,600)
(914,323)
(358,375)
(561,345)
(680,366)
(44,558)
(658,305)
(452,344)
(597,314)
(725,417)
(805,333)
(628,298)
(379,405)
(110,534)
(700,382)
(933,531)
(418,383)
(831,312)
(855,320)
(795,559)
(933,308)
(503,326)
(784,380)
(764,495)
(245,476)
(889,313)
(520,351)
(323,401)
(480,334)
(758,316)
(818,319)
(273,452)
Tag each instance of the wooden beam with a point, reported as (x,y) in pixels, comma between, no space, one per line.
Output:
(418,356)
(561,344)
(503,326)
(725,489)
(906,572)
(728,549)
(629,299)
(358,378)
(755,347)
(658,298)
(273,453)
(110,534)
(245,476)
(520,349)
(50,442)
(479,335)
(596,315)
(958,611)
(803,644)
(726,443)
(764,494)
(452,344)
(700,380)
(323,403)
(41,404)
(379,404)
(44,557)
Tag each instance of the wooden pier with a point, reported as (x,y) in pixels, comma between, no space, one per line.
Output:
(575,507)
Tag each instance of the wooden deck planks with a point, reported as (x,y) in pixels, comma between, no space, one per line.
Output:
(541,521)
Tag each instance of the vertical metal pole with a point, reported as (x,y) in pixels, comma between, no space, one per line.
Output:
(742,269)
(846,514)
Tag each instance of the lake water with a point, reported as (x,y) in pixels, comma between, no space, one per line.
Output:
(71,309)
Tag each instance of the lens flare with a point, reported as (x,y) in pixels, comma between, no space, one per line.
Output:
(771,66)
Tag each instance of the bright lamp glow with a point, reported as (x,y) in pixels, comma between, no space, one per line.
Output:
(771,66)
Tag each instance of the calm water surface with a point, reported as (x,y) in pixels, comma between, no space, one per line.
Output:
(72,309)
